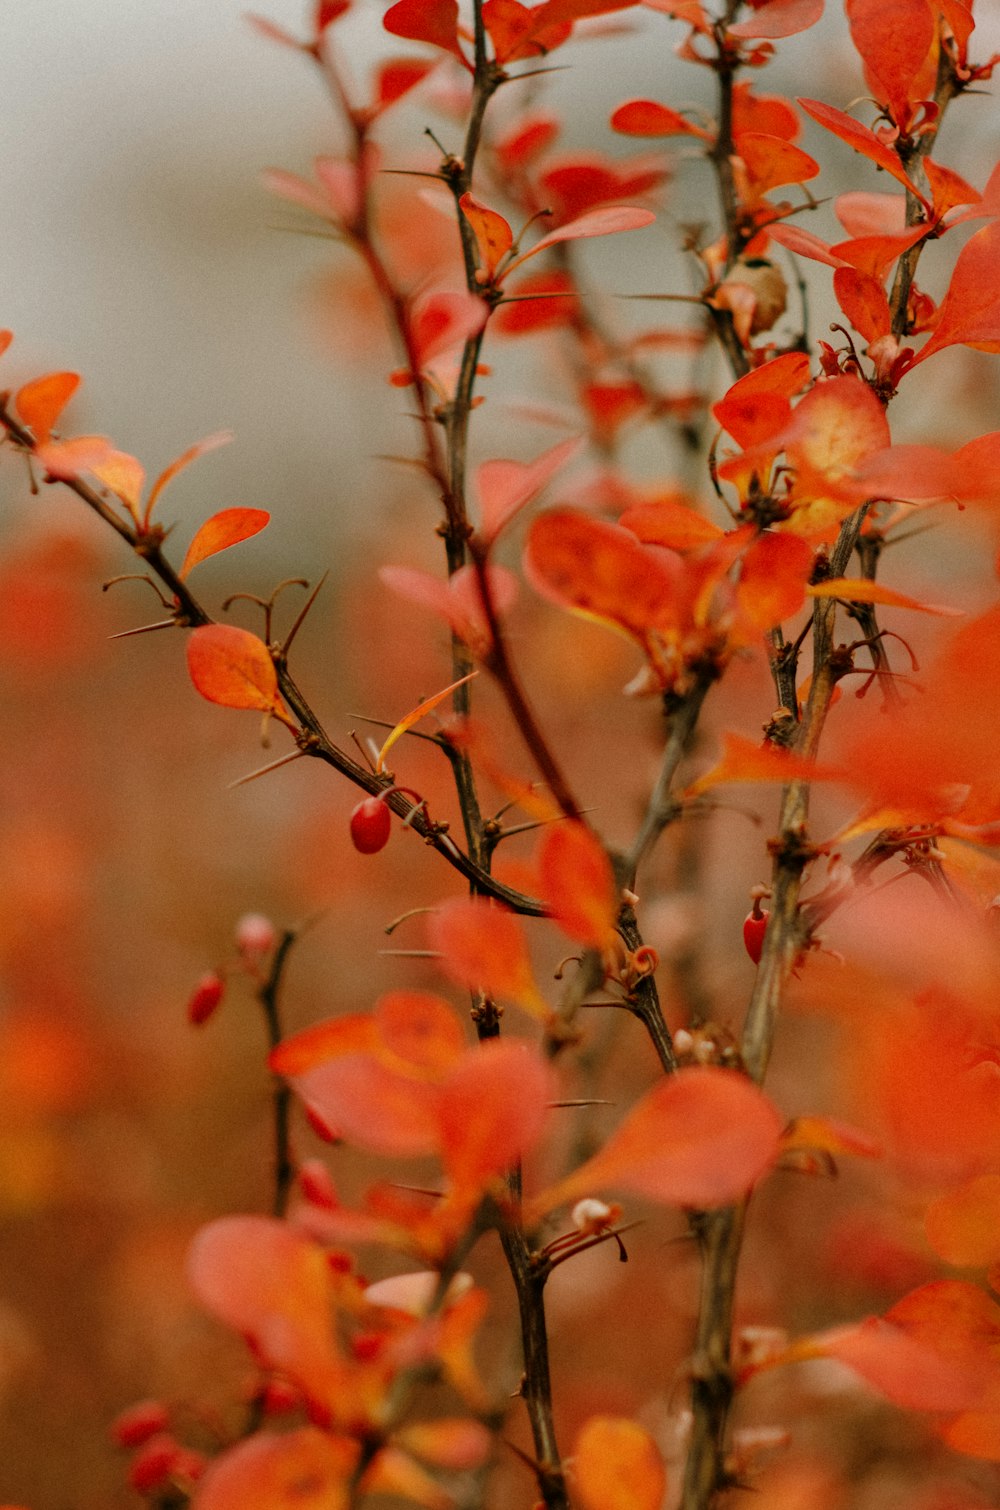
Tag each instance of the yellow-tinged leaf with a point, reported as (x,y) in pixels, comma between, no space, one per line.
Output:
(861,590)
(395,1473)
(450,1442)
(122,475)
(427,706)
(494,236)
(742,760)
(210,443)
(232,667)
(617,1466)
(828,1135)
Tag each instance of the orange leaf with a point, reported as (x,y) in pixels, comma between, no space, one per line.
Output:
(969,313)
(275,1287)
(232,667)
(667,521)
(492,1110)
(758,405)
(863,301)
(647,118)
(304,1469)
(701,1138)
(578,884)
(601,570)
(894,43)
(200,448)
(353,1033)
(862,140)
(773,579)
(483,947)
(494,236)
(227,527)
(963,1225)
(416,714)
(907,1370)
(770,161)
(448,1443)
(742,760)
(617,1466)
(418,1034)
(41,402)
(861,590)
(607,220)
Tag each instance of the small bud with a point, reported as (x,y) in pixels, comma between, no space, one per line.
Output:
(205,997)
(591,1216)
(371,825)
(256,936)
(279,1397)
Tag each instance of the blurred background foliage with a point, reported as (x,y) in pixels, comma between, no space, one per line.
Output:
(140,249)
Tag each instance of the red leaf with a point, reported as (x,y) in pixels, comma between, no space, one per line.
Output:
(701,1137)
(778,18)
(578,884)
(433,21)
(969,313)
(757,406)
(224,529)
(519,31)
(504,487)
(862,140)
(271,1284)
(442,321)
(647,118)
(40,403)
(893,42)
(232,667)
(484,948)
(906,1370)
(607,220)
(492,1111)
(397,77)
(863,301)
(524,309)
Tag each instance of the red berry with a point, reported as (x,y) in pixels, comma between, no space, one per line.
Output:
(754,929)
(371,825)
(155,1463)
(205,998)
(139,1422)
